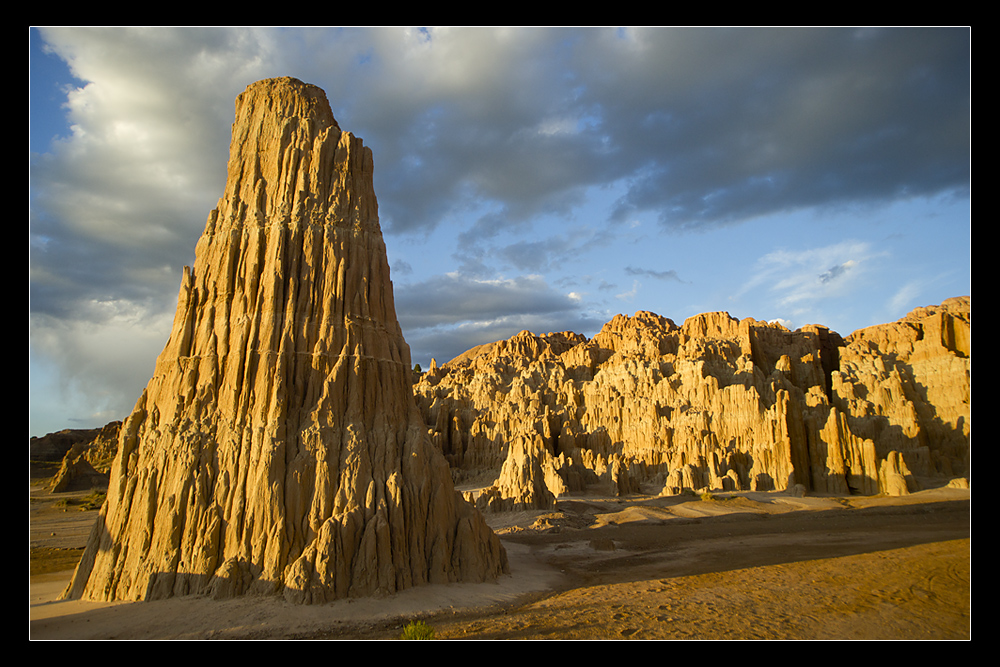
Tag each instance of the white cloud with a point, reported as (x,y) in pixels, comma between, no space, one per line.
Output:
(803,285)
(902,300)
(629,295)
(811,274)
(94,370)
(523,123)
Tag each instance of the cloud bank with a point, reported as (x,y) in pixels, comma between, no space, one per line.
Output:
(529,150)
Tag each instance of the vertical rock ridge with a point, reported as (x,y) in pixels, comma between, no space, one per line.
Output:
(277,447)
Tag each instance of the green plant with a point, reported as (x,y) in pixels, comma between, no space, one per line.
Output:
(708,496)
(93,501)
(417,630)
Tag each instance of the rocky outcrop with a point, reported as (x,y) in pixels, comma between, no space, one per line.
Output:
(714,403)
(87,463)
(53,447)
(523,483)
(277,448)
(905,387)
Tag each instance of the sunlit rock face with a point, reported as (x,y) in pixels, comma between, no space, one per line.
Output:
(277,448)
(715,403)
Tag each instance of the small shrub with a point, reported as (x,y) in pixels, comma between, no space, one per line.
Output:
(93,501)
(417,630)
(708,496)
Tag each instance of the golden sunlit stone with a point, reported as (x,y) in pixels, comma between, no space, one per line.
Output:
(277,448)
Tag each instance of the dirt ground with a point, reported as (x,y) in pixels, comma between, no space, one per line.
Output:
(735,566)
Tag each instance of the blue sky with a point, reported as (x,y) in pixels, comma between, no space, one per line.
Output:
(528,178)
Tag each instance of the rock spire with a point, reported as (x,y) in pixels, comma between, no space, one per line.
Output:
(277,448)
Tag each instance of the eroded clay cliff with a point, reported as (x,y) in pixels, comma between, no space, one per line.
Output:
(715,403)
(277,448)
(88,462)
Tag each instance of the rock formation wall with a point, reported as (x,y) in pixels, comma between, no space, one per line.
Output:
(53,447)
(277,447)
(87,463)
(716,402)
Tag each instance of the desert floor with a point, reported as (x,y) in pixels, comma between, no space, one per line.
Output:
(735,566)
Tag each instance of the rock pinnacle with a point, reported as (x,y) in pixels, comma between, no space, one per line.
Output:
(277,448)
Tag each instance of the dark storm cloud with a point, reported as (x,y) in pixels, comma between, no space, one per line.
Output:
(453,299)
(480,249)
(438,164)
(544,254)
(705,126)
(698,127)
(732,124)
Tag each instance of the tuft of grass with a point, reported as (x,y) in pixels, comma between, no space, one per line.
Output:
(91,501)
(417,630)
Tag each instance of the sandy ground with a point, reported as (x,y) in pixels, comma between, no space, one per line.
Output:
(740,566)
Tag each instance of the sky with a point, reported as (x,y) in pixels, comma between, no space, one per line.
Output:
(528,178)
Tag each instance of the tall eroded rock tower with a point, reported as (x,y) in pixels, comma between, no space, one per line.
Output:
(277,448)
